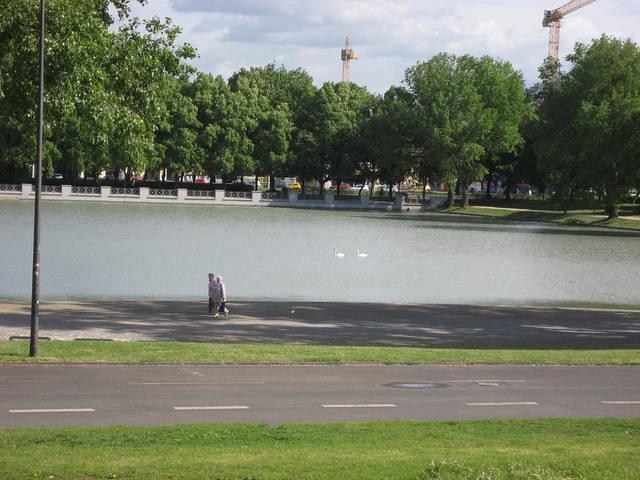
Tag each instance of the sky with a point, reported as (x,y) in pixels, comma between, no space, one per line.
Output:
(388,35)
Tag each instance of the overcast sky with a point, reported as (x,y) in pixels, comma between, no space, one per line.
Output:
(387,35)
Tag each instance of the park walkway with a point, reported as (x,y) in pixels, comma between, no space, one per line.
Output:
(331,324)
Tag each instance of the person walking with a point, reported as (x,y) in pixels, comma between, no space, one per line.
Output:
(213,285)
(223,297)
(217,296)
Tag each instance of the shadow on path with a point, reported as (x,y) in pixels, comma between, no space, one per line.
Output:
(332,324)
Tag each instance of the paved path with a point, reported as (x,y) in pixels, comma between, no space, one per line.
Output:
(60,395)
(332,324)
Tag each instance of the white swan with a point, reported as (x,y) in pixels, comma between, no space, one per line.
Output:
(362,254)
(337,254)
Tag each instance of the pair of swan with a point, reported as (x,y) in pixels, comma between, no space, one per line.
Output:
(341,255)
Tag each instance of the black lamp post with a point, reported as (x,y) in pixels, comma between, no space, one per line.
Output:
(35,282)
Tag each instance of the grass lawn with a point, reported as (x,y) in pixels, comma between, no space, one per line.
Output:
(192,353)
(558,218)
(489,450)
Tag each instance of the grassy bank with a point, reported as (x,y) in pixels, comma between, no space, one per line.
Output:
(495,449)
(183,352)
(580,218)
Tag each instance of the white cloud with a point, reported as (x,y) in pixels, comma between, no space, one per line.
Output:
(388,35)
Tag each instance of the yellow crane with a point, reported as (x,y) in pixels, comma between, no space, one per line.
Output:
(552,20)
(347,54)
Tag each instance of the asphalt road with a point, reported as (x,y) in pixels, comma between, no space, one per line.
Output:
(332,324)
(63,395)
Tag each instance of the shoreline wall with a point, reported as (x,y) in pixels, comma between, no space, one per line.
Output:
(183,196)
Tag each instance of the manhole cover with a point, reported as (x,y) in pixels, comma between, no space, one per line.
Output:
(416,385)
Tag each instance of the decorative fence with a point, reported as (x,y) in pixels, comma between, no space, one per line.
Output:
(124,191)
(208,194)
(274,196)
(417,200)
(163,192)
(245,195)
(86,190)
(177,195)
(5,187)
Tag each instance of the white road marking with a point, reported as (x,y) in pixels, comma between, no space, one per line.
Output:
(221,407)
(499,404)
(480,381)
(361,405)
(621,402)
(54,410)
(199,383)
(488,384)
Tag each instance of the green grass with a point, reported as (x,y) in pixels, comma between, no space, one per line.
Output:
(488,450)
(558,218)
(183,352)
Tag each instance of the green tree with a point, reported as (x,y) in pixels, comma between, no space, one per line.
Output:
(471,110)
(177,136)
(336,115)
(225,126)
(450,109)
(106,87)
(280,100)
(590,121)
(392,136)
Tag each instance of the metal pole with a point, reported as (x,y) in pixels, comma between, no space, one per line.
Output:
(35,283)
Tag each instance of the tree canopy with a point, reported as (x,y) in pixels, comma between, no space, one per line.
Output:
(122,97)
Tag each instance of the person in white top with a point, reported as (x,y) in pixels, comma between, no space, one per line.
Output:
(223,297)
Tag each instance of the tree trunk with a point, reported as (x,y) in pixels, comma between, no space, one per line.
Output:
(390,192)
(272,183)
(303,186)
(613,211)
(338,183)
(465,194)
(424,190)
(450,197)
(256,189)
(489,186)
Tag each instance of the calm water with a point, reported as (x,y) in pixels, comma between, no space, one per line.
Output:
(92,250)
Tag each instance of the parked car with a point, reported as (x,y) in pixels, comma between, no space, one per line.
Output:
(58,176)
(295,186)
(357,188)
(281,184)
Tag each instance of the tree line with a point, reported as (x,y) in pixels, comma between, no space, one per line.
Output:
(121,96)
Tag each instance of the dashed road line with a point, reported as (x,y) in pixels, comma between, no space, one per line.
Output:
(214,407)
(480,381)
(197,383)
(361,405)
(53,410)
(499,404)
(621,402)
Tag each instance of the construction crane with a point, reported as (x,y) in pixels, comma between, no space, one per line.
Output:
(347,54)
(552,20)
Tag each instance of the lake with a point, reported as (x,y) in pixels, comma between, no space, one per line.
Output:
(128,251)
